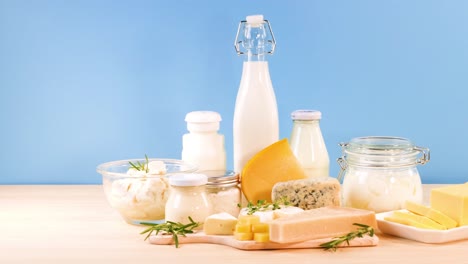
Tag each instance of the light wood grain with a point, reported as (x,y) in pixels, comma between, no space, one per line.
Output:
(75,224)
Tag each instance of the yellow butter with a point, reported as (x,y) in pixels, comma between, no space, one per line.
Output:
(453,201)
(431,213)
(406,221)
(431,224)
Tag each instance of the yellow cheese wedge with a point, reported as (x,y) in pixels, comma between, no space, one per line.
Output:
(219,224)
(406,221)
(431,213)
(426,221)
(453,201)
(275,163)
(331,221)
(262,237)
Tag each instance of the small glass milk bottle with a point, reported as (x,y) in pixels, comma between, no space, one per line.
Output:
(188,199)
(307,143)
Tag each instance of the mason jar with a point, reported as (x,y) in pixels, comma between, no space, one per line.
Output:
(224,192)
(380,173)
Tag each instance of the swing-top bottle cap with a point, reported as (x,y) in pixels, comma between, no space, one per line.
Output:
(306,115)
(254,20)
(203,121)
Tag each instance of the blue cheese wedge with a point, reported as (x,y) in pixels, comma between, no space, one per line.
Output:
(309,193)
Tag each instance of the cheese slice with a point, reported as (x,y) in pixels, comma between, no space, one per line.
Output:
(413,219)
(452,200)
(431,213)
(406,221)
(219,224)
(275,163)
(317,223)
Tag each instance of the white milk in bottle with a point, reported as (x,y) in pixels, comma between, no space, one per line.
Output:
(256,114)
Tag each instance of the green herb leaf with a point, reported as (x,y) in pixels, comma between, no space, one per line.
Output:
(262,205)
(337,241)
(141,166)
(171,228)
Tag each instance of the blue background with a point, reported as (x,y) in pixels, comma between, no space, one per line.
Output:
(86,82)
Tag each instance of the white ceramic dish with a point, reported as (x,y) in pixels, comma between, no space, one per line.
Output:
(420,234)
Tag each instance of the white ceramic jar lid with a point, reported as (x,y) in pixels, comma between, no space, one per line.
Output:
(203,121)
(189,179)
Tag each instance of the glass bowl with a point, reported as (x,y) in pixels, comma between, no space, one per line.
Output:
(139,196)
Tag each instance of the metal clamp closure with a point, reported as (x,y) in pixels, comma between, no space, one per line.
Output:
(237,42)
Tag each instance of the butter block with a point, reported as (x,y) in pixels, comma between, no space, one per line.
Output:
(431,213)
(453,201)
(220,224)
(309,193)
(324,222)
(412,218)
(406,221)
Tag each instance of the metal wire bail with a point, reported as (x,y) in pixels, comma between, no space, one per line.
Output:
(237,42)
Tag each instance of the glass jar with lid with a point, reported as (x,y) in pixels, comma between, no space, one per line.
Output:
(188,198)
(380,174)
(223,192)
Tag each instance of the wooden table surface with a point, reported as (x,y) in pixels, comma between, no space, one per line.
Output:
(75,224)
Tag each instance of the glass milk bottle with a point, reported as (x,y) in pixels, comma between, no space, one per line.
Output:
(255,123)
(307,143)
(204,146)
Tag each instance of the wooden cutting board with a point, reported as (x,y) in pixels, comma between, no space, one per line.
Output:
(201,237)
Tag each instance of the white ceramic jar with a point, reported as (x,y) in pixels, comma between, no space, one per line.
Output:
(204,146)
(380,174)
(188,198)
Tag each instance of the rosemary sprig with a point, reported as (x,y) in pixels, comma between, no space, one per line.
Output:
(141,166)
(262,205)
(172,228)
(360,232)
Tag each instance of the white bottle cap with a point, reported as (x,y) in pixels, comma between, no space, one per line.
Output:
(203,121)
(255,20)
(191,179)
(306,115)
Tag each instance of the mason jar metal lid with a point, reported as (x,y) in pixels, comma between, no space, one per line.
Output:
(219,177)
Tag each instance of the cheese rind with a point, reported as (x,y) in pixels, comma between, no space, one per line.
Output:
(431,213)
(309,193)
(453,201)
(330,221)
(275,163)
(219,224)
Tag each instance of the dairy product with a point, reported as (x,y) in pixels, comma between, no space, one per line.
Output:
(270,214)
(142,197)
(414,220)
(204,146)
(256,124)
(275,163)
(453,201)
(307,143)
(431,213)
(249,227)
(188,199)
(220,224)
(319,223)
(380,189)
(225,201)
(308,193)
